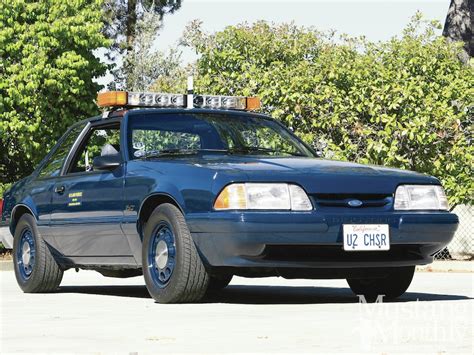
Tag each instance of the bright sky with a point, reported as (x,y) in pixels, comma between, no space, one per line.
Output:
(377,20)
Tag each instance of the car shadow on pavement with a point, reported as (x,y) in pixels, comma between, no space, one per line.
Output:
(237,294)
(306,295)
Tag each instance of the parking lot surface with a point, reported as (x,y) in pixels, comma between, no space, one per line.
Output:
(94,314)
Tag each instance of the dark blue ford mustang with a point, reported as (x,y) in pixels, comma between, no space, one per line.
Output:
(191,197)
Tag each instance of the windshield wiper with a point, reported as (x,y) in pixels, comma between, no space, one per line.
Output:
(177,152)
(263,150)
(236,150)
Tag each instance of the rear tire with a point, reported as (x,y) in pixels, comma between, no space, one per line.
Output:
(393,285)
(172,267)
(217,283)
(35,268)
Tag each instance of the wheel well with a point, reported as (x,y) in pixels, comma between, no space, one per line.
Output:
(16,215)
(149,206)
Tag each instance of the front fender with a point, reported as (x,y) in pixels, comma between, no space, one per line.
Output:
(170,190)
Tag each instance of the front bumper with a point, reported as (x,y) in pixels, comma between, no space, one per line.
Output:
(6,237)
(314,240)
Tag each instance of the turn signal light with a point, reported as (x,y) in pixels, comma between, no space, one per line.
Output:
(232,197)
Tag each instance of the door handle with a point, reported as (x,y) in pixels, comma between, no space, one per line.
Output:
(59,189)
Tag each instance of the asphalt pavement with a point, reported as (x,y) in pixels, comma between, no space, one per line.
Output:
(94,314)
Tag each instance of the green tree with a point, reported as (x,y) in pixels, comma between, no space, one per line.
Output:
(405,103)
(145,65)
(47,76)
(124,21)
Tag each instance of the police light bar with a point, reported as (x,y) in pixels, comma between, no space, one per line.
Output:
(154,99)
(151,99)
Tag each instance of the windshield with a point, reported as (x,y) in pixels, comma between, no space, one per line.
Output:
(152,135)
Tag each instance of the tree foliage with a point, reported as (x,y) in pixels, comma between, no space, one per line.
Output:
(46,76)
(144,65)
(407,102)
(122,17)
(130,24)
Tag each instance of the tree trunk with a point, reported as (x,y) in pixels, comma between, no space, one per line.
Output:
(459,24)
(130,32)
(131,22)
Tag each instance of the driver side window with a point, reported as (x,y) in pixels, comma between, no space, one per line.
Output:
(53,166)
(99,142)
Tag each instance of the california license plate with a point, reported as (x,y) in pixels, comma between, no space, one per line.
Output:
(362,237)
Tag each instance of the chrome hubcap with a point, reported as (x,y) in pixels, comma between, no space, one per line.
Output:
(26,254)
(161,254)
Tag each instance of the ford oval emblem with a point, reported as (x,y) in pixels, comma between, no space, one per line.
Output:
(355,203)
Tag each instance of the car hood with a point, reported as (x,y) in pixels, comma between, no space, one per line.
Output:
(315,175)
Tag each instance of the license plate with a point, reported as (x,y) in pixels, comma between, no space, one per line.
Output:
(362,237)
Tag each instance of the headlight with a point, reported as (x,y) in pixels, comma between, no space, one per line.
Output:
(257,196)
(420,197)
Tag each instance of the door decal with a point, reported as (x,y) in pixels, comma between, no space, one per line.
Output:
(75,199)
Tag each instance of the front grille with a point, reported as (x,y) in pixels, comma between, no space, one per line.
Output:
(343,200)
(337,253)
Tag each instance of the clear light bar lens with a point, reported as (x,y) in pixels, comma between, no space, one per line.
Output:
(420,197)
(228,102)
(155,99)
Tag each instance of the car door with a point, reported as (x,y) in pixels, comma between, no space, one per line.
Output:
(87,205)
(42,185)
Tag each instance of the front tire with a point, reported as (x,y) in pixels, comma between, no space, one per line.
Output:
(393,285)
(172,267)
(35,268)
